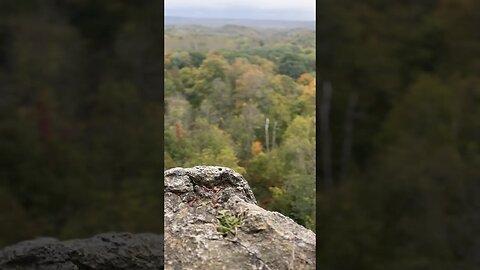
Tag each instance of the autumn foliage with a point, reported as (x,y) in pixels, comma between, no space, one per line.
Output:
(310,89)
(305,79)
(217,106)
(256,148)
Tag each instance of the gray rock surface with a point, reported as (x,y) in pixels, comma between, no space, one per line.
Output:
(212,221)
(103,251)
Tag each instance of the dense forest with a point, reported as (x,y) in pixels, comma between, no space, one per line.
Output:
(402,190)
(244,98)
(81,111)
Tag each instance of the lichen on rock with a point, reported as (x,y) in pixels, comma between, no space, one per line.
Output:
(212,221)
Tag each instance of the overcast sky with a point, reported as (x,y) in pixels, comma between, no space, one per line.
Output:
(303,10)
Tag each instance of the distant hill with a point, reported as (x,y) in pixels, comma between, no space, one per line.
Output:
(182,21)
(225,35)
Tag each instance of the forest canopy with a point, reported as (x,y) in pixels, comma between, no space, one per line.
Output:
(244,98)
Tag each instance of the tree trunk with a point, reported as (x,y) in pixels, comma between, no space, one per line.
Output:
(325,134)
(266,134)
(348,135)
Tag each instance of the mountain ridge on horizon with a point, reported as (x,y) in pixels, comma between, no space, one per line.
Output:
(219,22)
(240,19)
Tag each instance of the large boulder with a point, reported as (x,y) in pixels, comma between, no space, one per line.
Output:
(103,251)
(212,221)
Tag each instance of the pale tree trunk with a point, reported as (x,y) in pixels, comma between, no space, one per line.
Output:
(348,134)
(325,134)
(266,134)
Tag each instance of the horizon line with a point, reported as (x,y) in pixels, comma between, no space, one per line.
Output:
(246,19)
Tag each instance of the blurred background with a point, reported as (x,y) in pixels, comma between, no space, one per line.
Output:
(399,180)
(81,118)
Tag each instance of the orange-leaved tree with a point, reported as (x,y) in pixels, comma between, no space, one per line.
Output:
(256,148)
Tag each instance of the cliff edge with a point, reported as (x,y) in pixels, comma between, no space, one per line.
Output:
(212,221)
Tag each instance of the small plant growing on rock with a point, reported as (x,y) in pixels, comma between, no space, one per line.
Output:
(228,222)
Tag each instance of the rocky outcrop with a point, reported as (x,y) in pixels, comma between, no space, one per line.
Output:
(104,251)
(212,221)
